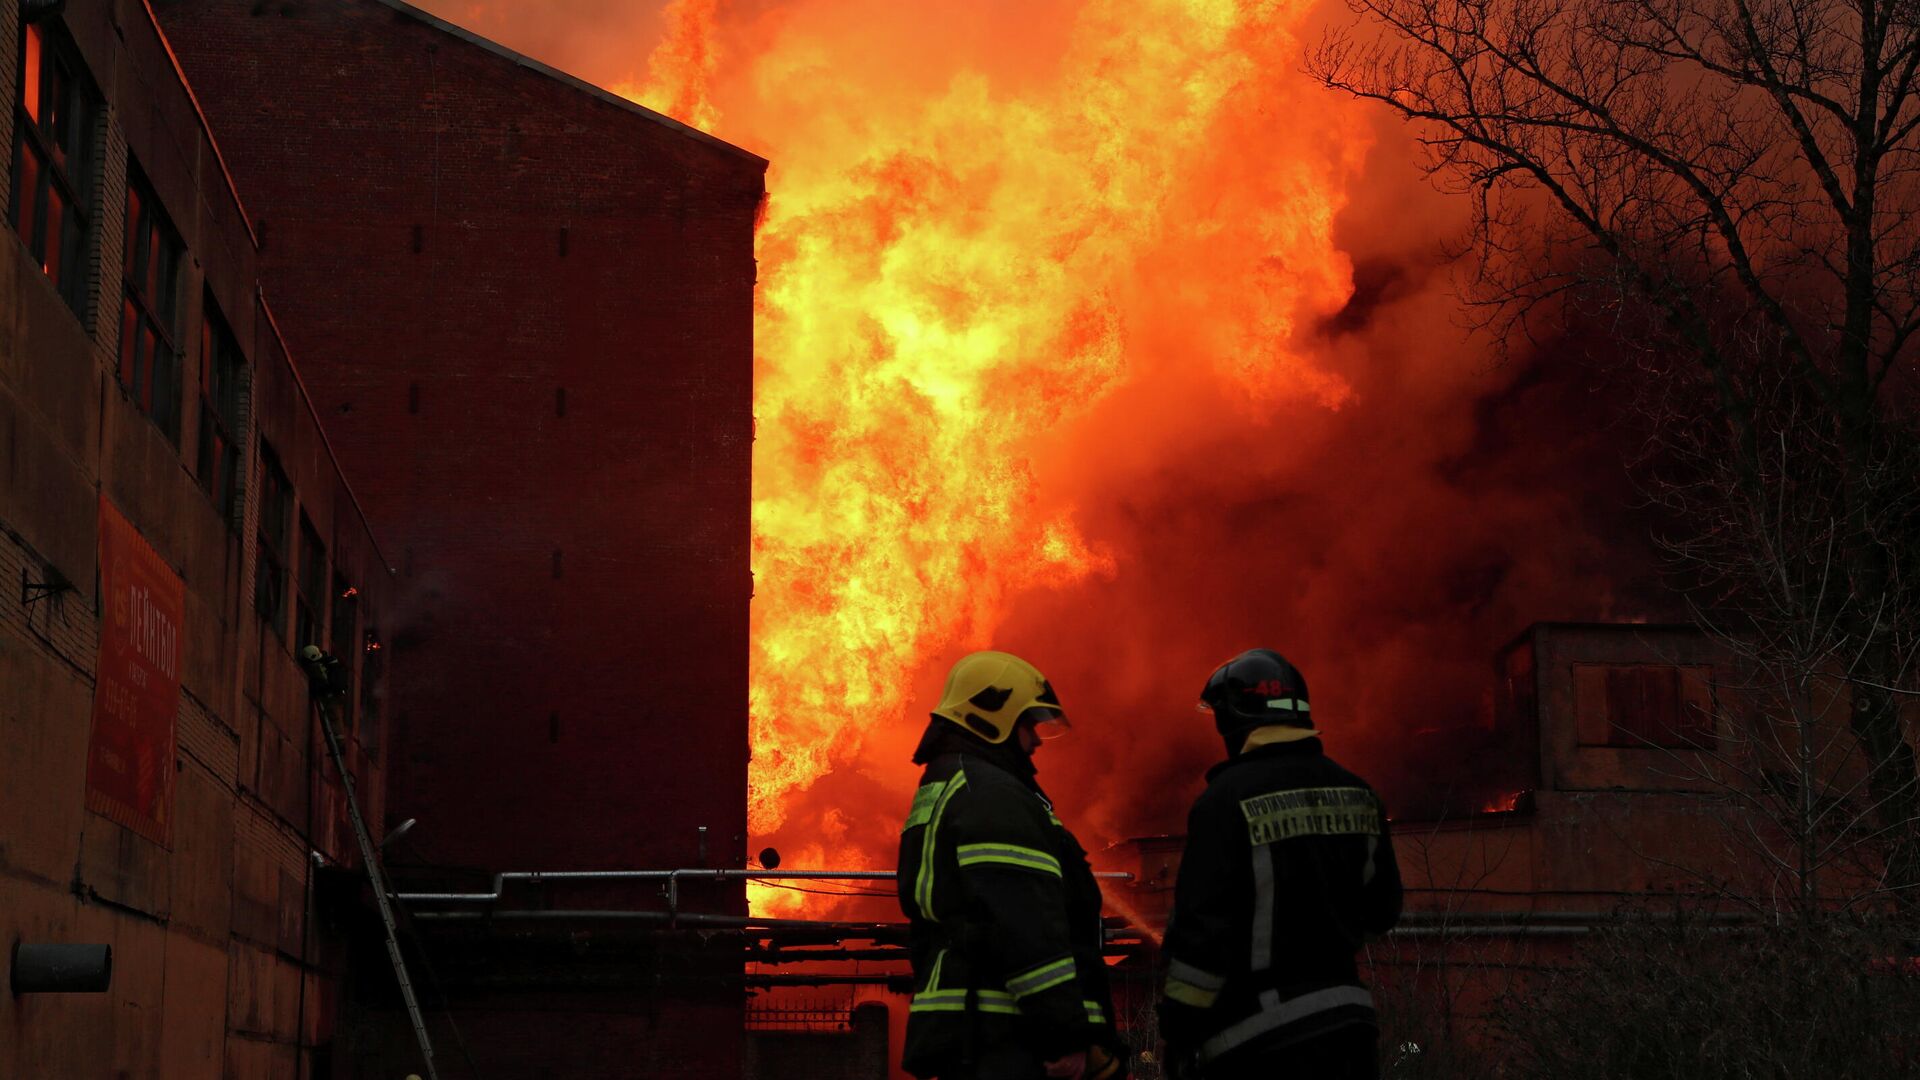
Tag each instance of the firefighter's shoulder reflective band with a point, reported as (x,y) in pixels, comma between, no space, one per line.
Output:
(924,799)
(1188,994)
(1045,977)
(1277,1016)
(1187,973)
(1327,811)
(986,1001)
(1095,1014)
(923,887)
(1189,985)
(1009,855)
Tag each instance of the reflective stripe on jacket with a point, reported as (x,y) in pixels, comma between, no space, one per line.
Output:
(1005,921)
(1288,865)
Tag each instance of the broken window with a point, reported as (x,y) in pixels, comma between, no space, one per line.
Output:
(149,308)
(52,159)
(1644,705)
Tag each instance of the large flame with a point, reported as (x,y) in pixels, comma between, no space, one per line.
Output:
(939,295)
(1056,352)
(949,274)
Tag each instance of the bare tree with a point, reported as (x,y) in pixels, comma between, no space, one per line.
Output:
(1733,188)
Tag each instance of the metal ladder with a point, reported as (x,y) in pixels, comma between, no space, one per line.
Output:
(325,701)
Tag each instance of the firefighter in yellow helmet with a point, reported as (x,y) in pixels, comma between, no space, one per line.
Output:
(1004,911)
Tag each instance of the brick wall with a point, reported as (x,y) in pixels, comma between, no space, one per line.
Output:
(211,945)
(526,314)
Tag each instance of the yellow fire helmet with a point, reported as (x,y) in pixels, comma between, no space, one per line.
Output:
(987,691)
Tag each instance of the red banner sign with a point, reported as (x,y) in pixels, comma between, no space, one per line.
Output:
(136,688)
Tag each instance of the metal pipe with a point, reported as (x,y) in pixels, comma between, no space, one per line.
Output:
(1488,931)
(874,929)
(1551,916)
(537,877)
(898,953)
(827,980)
(745,924)
(742,922)
(671,877)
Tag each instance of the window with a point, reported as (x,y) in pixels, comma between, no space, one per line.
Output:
(52,160)
(1517,708)
(1643,705)
(222,392)
(150,308)
(276,514)
(373,665)
(310,589)
(345,634)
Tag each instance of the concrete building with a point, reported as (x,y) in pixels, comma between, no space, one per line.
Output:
(172,526)
(525,308)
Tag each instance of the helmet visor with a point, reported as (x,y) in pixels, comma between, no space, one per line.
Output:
(1047,723)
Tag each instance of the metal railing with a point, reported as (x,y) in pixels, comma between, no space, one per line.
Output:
(672,879)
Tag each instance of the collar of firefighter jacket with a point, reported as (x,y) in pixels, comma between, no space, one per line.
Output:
(947,737)
(1307,744)
(1274,734)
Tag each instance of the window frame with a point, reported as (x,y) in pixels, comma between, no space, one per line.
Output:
(309,586)
(373,668)
(1644,705)
(150,303)
(270,590)
(63,162)
(343,629)
(222,383)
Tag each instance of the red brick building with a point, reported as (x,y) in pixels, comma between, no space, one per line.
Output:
(173,525)
(524,307)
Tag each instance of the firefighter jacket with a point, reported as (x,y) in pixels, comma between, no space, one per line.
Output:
(1288,865)
(1004,917)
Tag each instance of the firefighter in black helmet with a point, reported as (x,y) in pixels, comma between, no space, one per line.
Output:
(1288,866)
(1004,911)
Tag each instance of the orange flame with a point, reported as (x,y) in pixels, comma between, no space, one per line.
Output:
(952,271)
(680,71)
(1503,804)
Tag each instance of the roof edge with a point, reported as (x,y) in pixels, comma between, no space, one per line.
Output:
(574,81)
(320,427)
(219,158)
(259,286)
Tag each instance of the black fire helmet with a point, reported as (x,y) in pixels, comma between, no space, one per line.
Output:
(1256,688)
